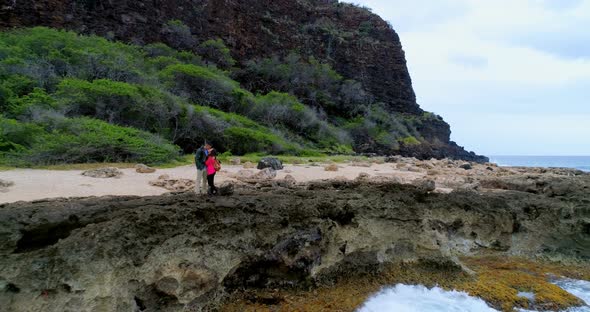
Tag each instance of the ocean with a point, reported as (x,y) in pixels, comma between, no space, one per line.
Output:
(577,162)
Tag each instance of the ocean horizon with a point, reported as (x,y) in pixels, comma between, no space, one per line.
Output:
(575,162)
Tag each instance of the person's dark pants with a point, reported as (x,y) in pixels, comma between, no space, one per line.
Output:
(211,182)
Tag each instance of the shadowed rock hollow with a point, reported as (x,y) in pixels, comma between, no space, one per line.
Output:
(179,251)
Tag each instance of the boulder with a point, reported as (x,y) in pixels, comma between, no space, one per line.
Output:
(393,159)
(289,181)
(425,185)
(378,160)
(466,166)
(141,168)
(249,165)
(363,176)
(226,189)
(236,161)
(4,185)
(270,162)
(361,164)
(252,177)
(109,172)
(470,186)
(331,167)
(243,175)
(265,174)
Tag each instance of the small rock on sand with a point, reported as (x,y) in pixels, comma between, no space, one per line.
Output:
(331,167)
(236,161)
(109,172)
(249,165)
(141,168)
(4,185)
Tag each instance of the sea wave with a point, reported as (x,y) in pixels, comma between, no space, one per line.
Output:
(417,298)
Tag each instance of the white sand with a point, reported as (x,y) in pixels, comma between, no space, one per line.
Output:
(30,184)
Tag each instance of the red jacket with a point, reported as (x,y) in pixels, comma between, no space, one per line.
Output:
(210,163)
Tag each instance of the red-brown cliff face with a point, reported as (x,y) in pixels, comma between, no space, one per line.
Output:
(358,44)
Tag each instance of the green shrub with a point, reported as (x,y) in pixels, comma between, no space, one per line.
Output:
(310,80)
(207,87)
(216,52)
(410,140)
(178,35)
(82,140)
(47,55)
(303,105)
(16,136)
(30,105)
(277,109)
(245,140)
(120,103)
(12,86)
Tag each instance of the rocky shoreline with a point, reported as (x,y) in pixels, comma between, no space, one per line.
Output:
(180,252)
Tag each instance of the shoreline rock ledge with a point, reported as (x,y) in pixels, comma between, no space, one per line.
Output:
(180,252)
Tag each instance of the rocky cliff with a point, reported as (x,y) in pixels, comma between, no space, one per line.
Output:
(358,44)
(185,253)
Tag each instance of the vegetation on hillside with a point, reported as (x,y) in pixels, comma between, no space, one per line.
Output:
(68,98)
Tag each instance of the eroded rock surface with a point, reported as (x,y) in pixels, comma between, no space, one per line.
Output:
(174,185)
(183,252)
(141,168)
(109,172)
(4,185)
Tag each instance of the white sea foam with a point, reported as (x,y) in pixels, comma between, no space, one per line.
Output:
(407,298)
(578,288)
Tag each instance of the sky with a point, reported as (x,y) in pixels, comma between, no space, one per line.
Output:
(511,77)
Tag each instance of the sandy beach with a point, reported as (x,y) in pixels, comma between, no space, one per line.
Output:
(33,184)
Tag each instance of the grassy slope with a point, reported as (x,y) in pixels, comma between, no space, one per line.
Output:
(58,87)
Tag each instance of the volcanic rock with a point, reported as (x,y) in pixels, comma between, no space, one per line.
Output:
(108,172)
(141,168)
(270,162)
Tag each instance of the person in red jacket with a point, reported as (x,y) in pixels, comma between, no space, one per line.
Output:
(212,167)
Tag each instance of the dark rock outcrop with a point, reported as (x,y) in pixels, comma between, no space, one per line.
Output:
(270,162)
(179,252)
(358,44)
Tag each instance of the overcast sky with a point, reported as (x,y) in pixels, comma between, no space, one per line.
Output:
(512,77)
